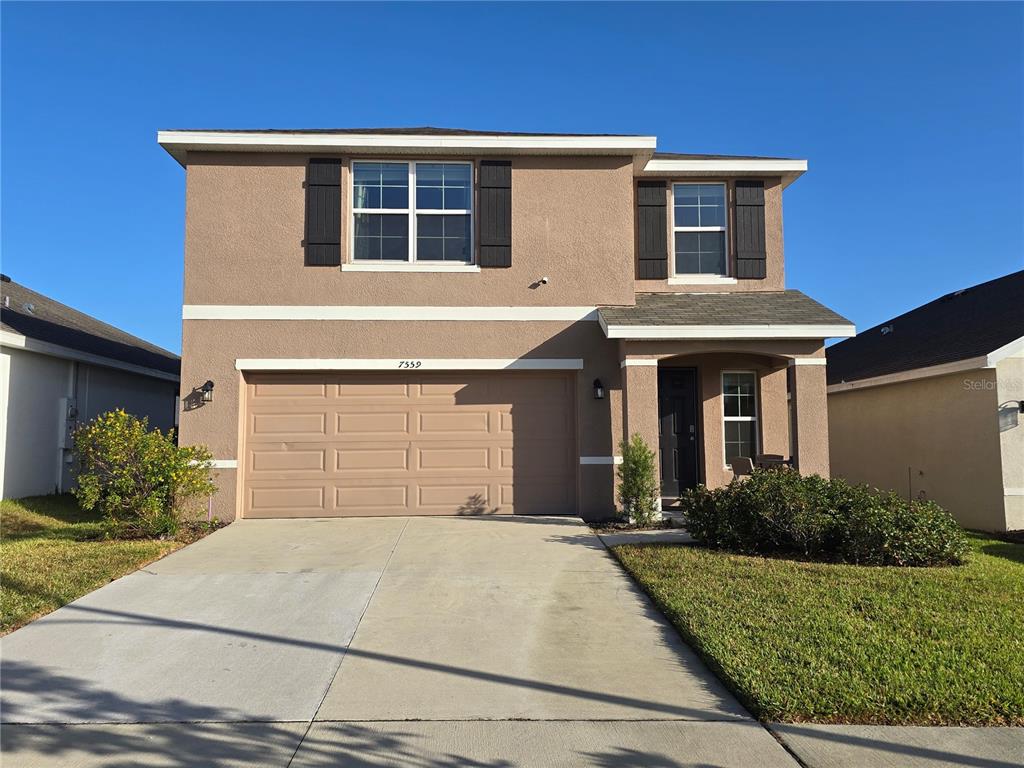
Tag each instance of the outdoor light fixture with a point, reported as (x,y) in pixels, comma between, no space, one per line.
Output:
(598,390)
(1020,406)
(207,390)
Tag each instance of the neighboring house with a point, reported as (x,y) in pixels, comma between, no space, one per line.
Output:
(429,321)
(929,404)
(60,368)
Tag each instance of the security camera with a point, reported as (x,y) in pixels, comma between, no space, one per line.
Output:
(544,280)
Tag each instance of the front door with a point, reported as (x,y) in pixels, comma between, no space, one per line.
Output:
(677,426)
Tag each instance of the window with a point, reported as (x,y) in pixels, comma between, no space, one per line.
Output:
(433,224)
(699,227)
(739,401)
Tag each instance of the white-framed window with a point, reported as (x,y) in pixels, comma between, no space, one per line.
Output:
(739,414)
(412,212)
(699,221)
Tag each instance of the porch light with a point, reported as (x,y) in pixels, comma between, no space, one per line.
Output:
(598,390)
(207,390)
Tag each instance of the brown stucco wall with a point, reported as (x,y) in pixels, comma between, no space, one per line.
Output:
(934,438)
(572,221)
(213,346)
(769,359)
(775,279)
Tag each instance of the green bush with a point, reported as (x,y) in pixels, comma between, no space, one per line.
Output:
(781,512)
(638,481)
(140,481)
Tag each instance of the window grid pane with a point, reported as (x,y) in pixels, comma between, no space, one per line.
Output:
(380,185)
(442,237)
(700,209)
(443,186)
(739,396)
(381,237)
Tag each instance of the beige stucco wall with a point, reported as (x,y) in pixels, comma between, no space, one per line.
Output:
(572,221)
(768,359)
(934,438)
(775,277)
(213,346)
(1009,392)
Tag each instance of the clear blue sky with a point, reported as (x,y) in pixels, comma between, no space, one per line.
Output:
(910,116)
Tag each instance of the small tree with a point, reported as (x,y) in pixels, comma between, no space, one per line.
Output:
(638,481)
(140,481)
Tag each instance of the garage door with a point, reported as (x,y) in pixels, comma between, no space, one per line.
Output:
(330,445)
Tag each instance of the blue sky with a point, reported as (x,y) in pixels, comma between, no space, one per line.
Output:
(910,116)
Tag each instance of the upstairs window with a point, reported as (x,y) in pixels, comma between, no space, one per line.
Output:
(699,229)
(739,405)
(412,212)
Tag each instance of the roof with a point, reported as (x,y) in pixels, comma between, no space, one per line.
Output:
(740,314)
(959,326)
(426,140)
(425,130)
(35,316)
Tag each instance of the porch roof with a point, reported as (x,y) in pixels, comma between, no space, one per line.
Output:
(727,315)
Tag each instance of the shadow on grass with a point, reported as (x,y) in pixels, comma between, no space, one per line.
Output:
(1004,549)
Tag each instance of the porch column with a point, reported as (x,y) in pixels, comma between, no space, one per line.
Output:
(810,415)
(640,399)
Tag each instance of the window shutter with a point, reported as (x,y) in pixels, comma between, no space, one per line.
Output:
(652,227)
(495,213)
(323,213)
(750,247)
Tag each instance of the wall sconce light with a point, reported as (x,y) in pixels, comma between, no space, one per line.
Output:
(207,390)
(1020,406)
(598,390)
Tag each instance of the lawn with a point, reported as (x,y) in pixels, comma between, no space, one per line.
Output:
(800,641)
(51,553)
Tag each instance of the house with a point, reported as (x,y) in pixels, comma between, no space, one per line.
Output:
(429,321)
(930,404)
(60,368)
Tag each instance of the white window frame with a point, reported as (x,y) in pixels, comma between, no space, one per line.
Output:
(756,418)
(411,211)
(705,278)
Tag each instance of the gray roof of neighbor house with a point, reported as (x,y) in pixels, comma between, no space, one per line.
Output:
(959,326)
(31,314)
(734,308)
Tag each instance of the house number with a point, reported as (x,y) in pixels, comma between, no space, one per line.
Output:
(410,363)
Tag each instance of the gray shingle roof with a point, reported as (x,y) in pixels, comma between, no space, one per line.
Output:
(734,308)
(36,316)
(958,326)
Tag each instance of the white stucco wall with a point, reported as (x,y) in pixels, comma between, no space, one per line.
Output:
(1010,390)
(33,386)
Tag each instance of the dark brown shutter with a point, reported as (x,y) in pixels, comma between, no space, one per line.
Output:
(323,213)
(652,229)
(495,213)
(750,248)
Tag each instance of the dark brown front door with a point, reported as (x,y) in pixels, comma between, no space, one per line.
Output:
(677,424)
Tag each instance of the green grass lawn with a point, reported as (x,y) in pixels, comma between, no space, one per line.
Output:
(51,553)
(822,642)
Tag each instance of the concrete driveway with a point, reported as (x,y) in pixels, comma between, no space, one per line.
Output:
(372,642)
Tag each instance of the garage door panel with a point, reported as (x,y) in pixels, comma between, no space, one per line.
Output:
(357,458)
(270,460)
(422,443)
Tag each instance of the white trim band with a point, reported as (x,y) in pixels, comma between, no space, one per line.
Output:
(1013,491)
(654,332)
(585,460)
(410,365)
(701,280)
(807,361)
(17,341)
(724,165)
(408,266)
(468,314)
(972,364)
(225,463)
(631,361)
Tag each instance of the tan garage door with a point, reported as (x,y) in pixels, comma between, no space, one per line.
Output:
(328,445)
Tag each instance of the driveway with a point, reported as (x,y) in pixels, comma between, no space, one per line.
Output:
(481,641)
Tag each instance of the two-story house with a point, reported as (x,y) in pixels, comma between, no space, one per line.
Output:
(426,321)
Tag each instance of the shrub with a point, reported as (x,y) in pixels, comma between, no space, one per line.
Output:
(140,481)
(781,512)
(638,481)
